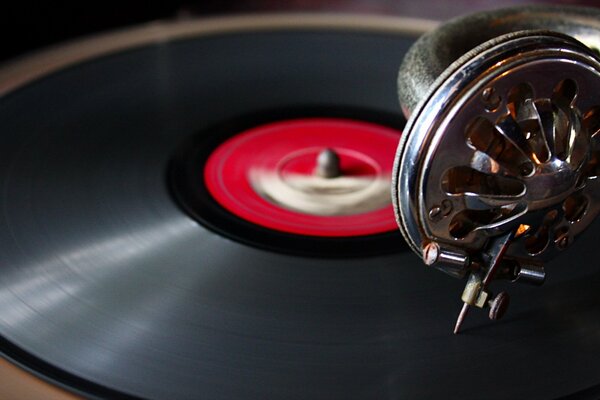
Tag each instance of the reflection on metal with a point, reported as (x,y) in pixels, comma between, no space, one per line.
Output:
(507,138)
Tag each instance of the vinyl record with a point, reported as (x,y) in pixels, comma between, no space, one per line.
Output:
(126,272)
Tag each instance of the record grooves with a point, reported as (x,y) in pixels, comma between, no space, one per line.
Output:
(58,376)
(122,276)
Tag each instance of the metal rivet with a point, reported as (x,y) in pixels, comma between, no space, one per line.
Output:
(526,169)
(438,212)
(490,99)
(562,240)
(435,213)
(446,207)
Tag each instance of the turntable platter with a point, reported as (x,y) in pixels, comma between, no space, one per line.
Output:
(110,287)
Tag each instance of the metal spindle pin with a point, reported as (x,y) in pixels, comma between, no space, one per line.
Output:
(328,164)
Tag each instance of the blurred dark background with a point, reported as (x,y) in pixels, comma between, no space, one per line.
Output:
(27,26)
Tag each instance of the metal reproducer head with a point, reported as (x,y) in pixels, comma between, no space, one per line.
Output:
(498,168)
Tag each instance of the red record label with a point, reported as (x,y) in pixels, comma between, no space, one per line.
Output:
(266,175)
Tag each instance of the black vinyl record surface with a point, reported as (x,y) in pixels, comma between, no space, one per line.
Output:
(109,287)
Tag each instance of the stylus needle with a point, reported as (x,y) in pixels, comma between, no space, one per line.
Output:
(497,249)
(461,317)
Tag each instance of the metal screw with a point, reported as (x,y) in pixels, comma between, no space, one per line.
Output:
(431,252)
(498,306)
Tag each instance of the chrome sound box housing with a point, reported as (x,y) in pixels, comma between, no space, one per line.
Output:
(497,172)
